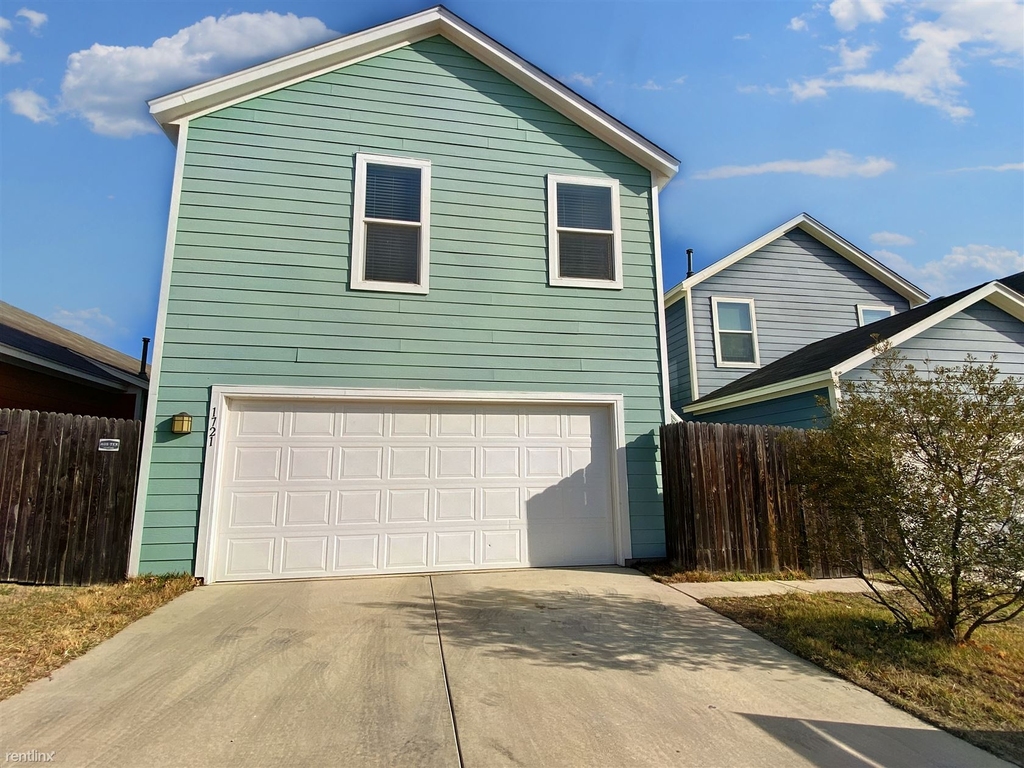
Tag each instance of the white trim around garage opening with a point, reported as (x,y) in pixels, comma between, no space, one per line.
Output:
(222,398)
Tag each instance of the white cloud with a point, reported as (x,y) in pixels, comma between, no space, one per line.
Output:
(108,85)
(582,79)
(851,60)
(771,90)
(962,267)
(998,168)
(681,80)
(34,19)
(744,36)
(849,14)
(891,239)
(833,164)
(650,85)
(7,54)
(797,24)
(91,323)
(930,73)
(29,104)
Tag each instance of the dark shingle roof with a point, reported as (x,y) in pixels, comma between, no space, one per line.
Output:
(28,333)
(824,354)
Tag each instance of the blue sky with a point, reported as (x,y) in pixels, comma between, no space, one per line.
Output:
(898,124)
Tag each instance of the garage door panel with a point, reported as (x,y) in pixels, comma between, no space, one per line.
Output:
(455,504)
(359,507)
(356,553)
(305,508)
(313,463)
(360,463)
(256,464)
(321,489)
(304,555)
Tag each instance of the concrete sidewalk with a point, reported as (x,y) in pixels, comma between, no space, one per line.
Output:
(706,589)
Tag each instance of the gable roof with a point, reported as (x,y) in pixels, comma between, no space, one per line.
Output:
(822,234)
(838,354)
(35,340)
(180,106)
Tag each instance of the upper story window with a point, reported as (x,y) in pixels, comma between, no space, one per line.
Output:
(391,224)
(584,240)
(735,329)
(867,313)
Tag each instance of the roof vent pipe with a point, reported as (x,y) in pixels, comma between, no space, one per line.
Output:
(689,262)
(145,354)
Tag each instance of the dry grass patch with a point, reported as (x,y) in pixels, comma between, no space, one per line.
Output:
(667,573)
(975,691)
(42,628)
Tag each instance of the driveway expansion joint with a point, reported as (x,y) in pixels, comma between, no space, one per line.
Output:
(444,672)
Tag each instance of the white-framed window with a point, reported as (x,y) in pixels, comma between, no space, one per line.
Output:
(391,224)
(735,326)
(584,237)
(872,313)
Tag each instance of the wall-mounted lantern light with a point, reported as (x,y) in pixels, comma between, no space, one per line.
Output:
(181,424)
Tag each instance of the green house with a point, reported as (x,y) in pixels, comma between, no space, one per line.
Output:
(412,303)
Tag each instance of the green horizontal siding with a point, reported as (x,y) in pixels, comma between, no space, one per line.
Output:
(259,289)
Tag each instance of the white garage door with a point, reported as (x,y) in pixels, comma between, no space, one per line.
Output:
(313,489)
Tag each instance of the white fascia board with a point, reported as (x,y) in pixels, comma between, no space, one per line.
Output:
(771,392)
(996,294)
(914,295)
(175,108)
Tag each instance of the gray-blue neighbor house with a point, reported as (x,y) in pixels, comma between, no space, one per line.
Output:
(796,285)
(982,321)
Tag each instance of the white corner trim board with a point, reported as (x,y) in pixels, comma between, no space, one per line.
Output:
(149,427)
(666,395)
(177,108)
(226,400)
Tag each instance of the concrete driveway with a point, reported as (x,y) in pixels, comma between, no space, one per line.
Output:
(596,667)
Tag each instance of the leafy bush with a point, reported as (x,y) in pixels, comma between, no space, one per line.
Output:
(919,479)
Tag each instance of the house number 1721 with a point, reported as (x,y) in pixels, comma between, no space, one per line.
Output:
(213,425)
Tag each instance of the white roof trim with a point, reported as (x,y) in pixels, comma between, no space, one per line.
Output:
(175,108)
(822,234)
(781,389)
(995,293)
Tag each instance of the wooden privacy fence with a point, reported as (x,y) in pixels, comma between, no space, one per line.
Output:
(67,492)
(730,503)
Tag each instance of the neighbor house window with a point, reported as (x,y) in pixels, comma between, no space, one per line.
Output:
(584,242)
(735,332)
(868,314)
(391,224)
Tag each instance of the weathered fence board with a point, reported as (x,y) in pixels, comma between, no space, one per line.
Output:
(65,506)
(731,503)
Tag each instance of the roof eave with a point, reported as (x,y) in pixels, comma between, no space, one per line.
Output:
(215,94)
(806,223)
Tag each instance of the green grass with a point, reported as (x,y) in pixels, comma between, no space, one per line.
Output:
(43,628)
(975,691)
(669,574)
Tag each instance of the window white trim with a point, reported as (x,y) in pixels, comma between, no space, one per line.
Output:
(554,270)
(879,307)
(753,332)
(357,263)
